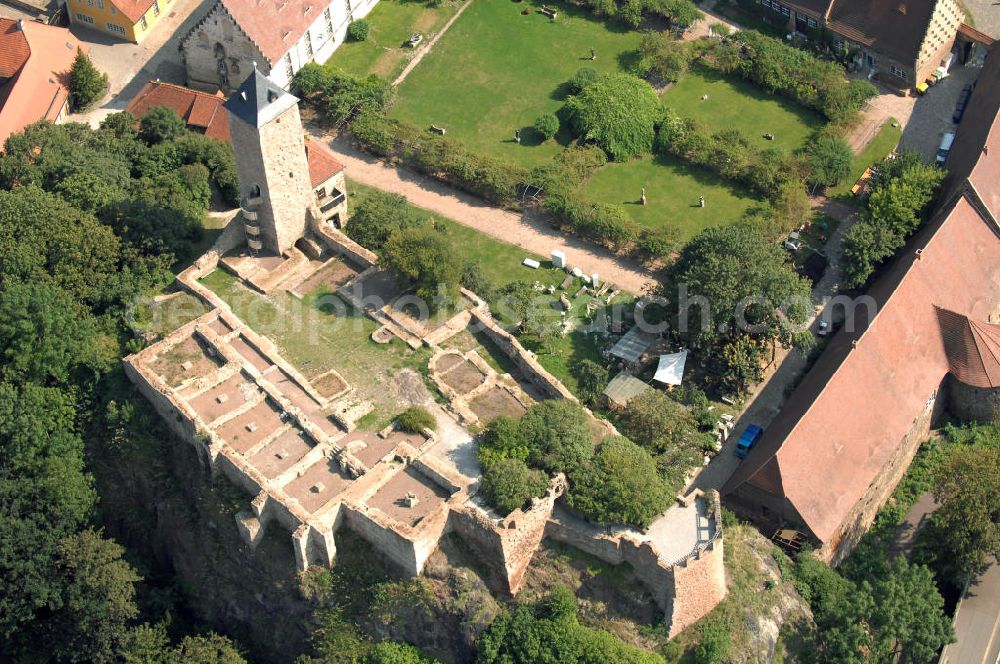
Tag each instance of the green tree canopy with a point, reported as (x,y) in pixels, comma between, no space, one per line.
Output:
(620,485)
(509,484)
(617,111)
(377,216)
(557,435)
(829,159)
(161,124)
(425,258)
(86,84)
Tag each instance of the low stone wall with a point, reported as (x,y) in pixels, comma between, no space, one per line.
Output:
(529,367)
(339,243)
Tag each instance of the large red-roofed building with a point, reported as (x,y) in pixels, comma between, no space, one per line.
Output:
(847,434)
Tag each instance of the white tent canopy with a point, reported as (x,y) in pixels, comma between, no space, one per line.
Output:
(670,370)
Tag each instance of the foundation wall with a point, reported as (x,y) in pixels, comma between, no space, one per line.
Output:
(396,548)
(526,363)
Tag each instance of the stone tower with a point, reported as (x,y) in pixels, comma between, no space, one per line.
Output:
(275,190)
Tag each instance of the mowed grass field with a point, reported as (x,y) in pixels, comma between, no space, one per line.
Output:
(496,70)
(672,191)
(733,102)
(392,22)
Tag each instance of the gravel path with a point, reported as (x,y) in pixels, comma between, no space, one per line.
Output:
(526,231)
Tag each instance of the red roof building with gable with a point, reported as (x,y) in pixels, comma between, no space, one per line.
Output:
(835,452)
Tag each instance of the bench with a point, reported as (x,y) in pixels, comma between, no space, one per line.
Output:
(548,11)
(438,130)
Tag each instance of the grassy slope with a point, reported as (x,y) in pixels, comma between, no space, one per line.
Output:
(506,69)
(392,23)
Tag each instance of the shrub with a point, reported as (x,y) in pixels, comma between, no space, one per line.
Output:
(547,125)
(620,485)
(424,257)
(630,13)
(509,484)
(617,111)
(86,84)
(591,379)
(388,652)
(663,57)
(501,440)
(829,158)
(377,216)
(358,30)
(475,279)
(415,419)
(581,79)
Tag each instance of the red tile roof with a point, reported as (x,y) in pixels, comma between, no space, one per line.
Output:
(198,109)
(848,417)
(274,25)
(972,347)
(322,164)
(207,112)
(14,49)
(40,88)
(133,9)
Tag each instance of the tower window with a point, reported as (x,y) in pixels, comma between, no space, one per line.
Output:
(255,191)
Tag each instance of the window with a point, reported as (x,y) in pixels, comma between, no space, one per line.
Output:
(309,45)
(288,66)
(114,27)
(328,20)
(84,18)
(100,4)
(347,6)
(811,22)
(156,9)
(897,72)
(142,23)
(113,10)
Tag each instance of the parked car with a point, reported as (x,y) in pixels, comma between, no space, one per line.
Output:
(823,328)
(960,105)
(944,148)
(747,440)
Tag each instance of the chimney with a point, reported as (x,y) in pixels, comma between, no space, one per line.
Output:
(20,25)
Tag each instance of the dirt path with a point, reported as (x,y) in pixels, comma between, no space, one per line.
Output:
(426,48)
(526,231)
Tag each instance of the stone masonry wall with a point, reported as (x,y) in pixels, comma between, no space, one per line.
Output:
(971,403)
(700,578)
(532,370)
(217,35)
(273,157)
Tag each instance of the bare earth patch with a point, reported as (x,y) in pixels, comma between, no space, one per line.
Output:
(495,402)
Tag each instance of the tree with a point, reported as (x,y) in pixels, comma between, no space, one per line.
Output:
(743,362)
(620,486)
(474,279)
(210,648)
(630,13)
(415,419)
(377,216)
(509,484)
(546,125)
(618,112)
(502,439)
(591,379)
(667,431)
(731,281)
(424,257)
(663,57)
(965,530)
(160,124)
(514,299)
(396,653)
(98,599)
(557,435)
(829,159)
(45,336)
(86,84)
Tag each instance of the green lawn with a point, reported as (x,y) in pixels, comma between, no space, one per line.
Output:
(672,191)
(884,142)
(733,102)
(320,333)
(496,70)
(392,22)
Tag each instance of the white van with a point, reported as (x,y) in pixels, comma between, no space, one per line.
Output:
(945,148)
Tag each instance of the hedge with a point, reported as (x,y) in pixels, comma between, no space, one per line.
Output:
(440,157)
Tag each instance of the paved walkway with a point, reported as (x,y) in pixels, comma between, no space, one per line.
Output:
(530,232)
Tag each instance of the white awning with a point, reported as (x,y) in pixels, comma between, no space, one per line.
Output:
(670,370)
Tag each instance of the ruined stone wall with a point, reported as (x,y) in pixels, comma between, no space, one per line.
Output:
(389,543)
(857,523)
(971,403)
(507,545)
(700,578)
(340,244)
(529,367)
(217,35)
